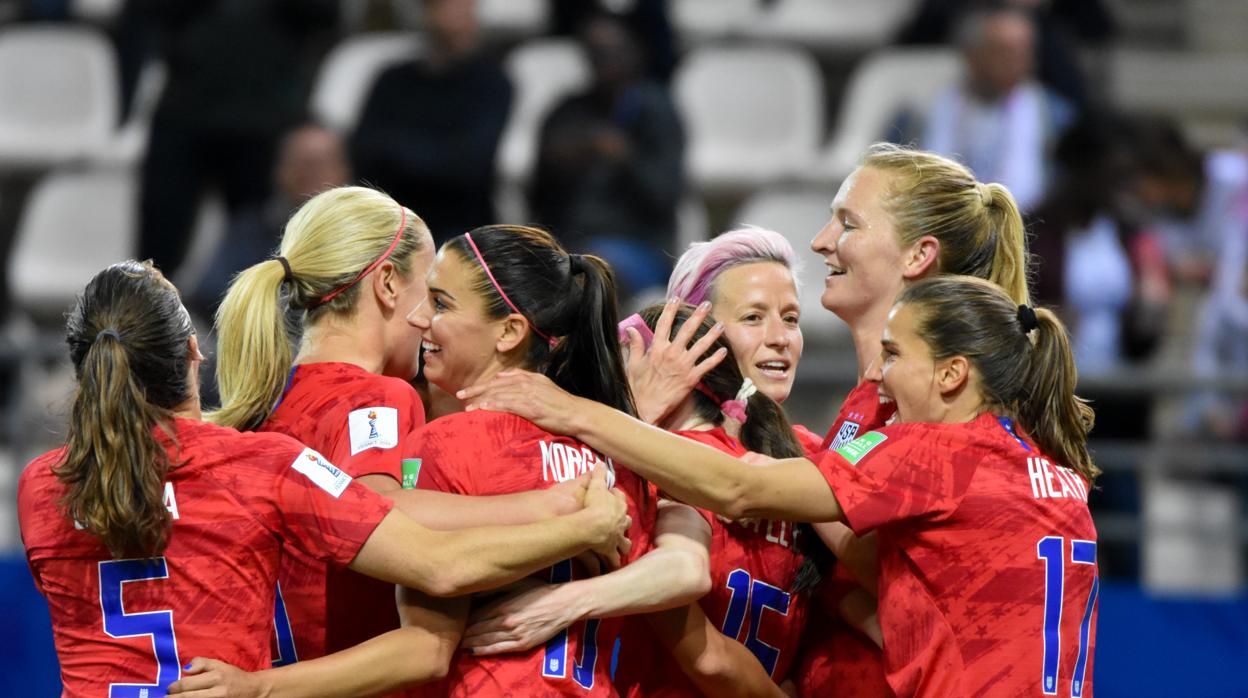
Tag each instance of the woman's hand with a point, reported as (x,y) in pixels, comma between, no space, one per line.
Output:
(612,520)
(210,678)
(662,376)
(525,394)
(520,620)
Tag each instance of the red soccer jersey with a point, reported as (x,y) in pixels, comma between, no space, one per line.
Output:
(753,567)
(861,412)
(491,453)
(988,578)
(125,627)
(361,421)
(809,440)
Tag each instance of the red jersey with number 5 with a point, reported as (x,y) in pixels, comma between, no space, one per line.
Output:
(753,568)
(988,579)
(362,422)
(491,453)
(126,627)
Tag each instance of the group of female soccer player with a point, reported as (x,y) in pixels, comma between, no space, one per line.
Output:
(620,508)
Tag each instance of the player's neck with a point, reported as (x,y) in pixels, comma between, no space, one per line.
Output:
(868,334)
(330,342)
(685,418)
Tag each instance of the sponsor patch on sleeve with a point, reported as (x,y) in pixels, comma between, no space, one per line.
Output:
(857,449)
(321,472)
(373,427)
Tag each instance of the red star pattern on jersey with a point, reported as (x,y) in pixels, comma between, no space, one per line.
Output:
(490,453)
(861,412)
(987,558)
(753,567)
(333,609)
(238,500)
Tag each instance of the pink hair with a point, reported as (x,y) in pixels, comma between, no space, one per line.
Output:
(694,276)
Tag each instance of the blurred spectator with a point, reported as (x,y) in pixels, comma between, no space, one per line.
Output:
(1192,200)
(610,162)
(1000,121)
(648,19)
(310,160)
(239,76)
(1063,27)
(1109,280)
(430,127)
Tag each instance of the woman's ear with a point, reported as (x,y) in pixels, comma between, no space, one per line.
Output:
(922,258)
(952,374)
(192,346)
(386,284)
(514,329)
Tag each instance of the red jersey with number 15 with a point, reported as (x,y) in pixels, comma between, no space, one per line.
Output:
(362,422)
(492,453)
(988,580)
(126,627)
(753,568)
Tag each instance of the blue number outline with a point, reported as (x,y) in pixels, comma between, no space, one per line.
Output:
(557,646)
(1082,552)
(286,651)
(113,575)
(754,596)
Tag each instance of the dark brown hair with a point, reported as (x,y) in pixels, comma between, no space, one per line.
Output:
(570,298)
(128,339)
(1027,374)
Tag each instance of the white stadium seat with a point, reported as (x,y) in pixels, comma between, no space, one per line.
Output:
(542,72)
(842,25)
(74,224)
(58,95)
(753,115)
(886,84)
(705,19)
(798,215)
(517,17)
(347,75)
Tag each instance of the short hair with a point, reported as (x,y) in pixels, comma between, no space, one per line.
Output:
(693,279)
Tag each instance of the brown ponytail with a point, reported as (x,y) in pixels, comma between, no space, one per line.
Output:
(1026,368)
(129,343)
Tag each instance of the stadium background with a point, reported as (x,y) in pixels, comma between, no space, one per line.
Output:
(778,98)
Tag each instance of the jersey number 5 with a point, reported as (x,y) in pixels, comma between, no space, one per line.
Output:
(755,596)
(1052,549)
(555,658)
(157,624)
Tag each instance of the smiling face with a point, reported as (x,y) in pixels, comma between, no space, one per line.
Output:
(758,305)
(461,343)
(409,322)
(861,248)
(906,372)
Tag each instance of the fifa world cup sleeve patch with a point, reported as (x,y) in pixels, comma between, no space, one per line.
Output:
(373,427)
(857,449)
(321,472)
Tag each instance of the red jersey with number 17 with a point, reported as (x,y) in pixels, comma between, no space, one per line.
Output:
(753,568)
(492,453)
(128,626)
(988,580)
(362,422)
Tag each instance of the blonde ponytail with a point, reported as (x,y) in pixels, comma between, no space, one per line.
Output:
(329,244)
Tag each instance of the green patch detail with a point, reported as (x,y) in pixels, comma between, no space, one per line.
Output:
(411,472)
(861,446)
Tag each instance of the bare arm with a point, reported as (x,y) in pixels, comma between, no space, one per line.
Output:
(451,563)
(446,512)
(791,489)
(419,651)
(717,664)
(675,573)
(860,555)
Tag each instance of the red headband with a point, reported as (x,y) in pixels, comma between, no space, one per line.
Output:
(398,235)
(549,340)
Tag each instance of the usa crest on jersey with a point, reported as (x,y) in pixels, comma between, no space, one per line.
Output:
(848,432)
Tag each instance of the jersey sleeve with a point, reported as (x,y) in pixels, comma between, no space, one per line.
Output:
(321,511)
(896,474)
(377,430)
(436,448)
